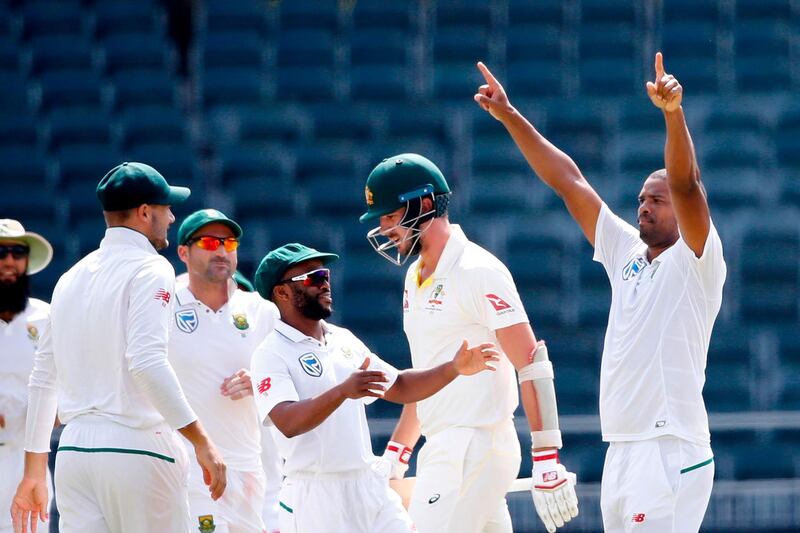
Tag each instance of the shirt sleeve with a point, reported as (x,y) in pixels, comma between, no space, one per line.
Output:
(494,301)
(42,400)
(614,238)
(272,382)
(147,338)
(710,266)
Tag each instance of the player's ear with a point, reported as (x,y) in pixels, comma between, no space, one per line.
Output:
(183,253)
(427,204)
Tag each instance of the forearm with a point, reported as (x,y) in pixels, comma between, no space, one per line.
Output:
(415,385)
(195,433)
(679,155)
(296,418)
(407,431)
(35,465)
(555,168)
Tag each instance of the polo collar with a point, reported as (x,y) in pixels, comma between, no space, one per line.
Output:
(295,335)
(185,296)
(127,236)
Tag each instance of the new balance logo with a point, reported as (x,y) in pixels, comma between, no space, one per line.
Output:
(549,476)
(264,385)
(163,295)
(638,518)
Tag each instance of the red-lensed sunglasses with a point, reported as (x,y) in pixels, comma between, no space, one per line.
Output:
(207,242)
(315,278)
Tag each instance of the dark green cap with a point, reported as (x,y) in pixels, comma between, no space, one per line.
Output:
(132,184)
(276,262)
(398,179)
(242,282)
(200,218)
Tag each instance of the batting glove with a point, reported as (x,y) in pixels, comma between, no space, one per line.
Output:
(553,490)
(398,456)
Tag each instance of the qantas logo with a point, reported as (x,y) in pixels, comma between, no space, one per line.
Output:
(498,303)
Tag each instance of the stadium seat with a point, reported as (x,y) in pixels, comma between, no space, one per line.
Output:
(17,130)
(727,386)
(145,125)
(15,93)
(379,84)
(601,77)
(310,48)
(224,87)
(382,47)
(261,197)
(174,160)
(73,88)
(60,52)
(461,44)
(342,123)
(605,12)
(145,51)
(305,230)
(23,164)
(241,49)
(305,84)
(334,197)
(542,12)
(315,161)
(577,389)
(723,119)
(704,11)
(85,164)
(51,18)
(758,75)
(384,16)
(239,163)
(760,10)
(541,78)
(143,88)
(527,43)
(460,13)
(242,15)
(71,126)
(135,18)
(309,15)
(262,126)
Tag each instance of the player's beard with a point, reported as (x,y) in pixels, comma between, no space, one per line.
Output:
(309,306)
(14,295)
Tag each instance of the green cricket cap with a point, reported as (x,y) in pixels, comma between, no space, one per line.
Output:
(242,282)
(200,218)
(398,179)
(130,185)
(277,261)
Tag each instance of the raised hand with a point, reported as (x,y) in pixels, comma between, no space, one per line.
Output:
(665,92)
(469,361)
(491,96)
(237,386)
(364,383)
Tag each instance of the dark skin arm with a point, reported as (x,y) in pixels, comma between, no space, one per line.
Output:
(683,174)
(555,168)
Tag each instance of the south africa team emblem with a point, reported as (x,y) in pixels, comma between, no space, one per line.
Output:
(311,365)
(186,320)
(207,523)
(240,321)
(33,332)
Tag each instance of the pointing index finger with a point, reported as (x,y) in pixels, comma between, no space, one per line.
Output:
(659,65)
(488,76)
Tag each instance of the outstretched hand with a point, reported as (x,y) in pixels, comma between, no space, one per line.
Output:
(364,383)
(491,96)
(469,361)
(665,92)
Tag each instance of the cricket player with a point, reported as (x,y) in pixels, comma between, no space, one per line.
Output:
(313,380)
(215,330)
(666,280)
(22,254)
(456,288)
(102,359)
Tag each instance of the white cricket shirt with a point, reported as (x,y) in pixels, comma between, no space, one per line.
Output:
(659,327)
(205,347)
(107,339)
(469,296)
(290,366)
(18,340)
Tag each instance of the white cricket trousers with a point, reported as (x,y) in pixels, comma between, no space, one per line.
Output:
(12,465)
(114,479)
(356,501)
(463,475)
(239,508)
(659,485)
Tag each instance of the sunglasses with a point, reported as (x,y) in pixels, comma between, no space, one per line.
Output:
(17,251)
(211,244)
(315,278)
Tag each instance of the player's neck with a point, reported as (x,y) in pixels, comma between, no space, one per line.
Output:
(433,242)
(307,326)
(213,294)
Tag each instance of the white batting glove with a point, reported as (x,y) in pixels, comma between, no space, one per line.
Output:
(398,456)
(553,490)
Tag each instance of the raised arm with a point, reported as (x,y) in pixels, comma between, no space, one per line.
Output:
(683,175)
(555,168)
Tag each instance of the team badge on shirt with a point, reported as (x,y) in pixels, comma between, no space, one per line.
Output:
(240,321)
(33,332)
(207,524)
(633,267)
(436,297)
(311,365)
(186,320)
